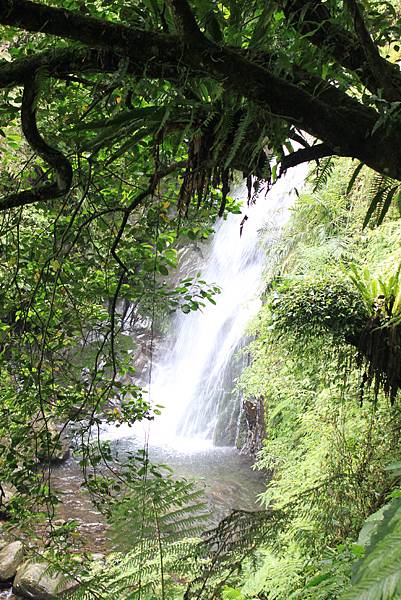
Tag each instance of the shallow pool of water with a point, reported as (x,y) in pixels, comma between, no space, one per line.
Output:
(227,477)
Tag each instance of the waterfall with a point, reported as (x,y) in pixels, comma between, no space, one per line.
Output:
(196,369)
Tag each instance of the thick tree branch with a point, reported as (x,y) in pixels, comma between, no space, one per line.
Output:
(345,126)
(305,155)
(187,24)
(63,61)
(238,74)
(378,67)
(52,156)
(313,18)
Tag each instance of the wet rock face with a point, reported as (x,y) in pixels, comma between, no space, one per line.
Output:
(230,427)
(58,450)
(7,493)
(226,430)
(11,556)
(38,581)
(254,429)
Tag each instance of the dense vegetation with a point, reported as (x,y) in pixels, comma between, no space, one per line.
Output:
(122,128)
(332,432)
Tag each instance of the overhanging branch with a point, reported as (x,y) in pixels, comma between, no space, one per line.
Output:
(63,61)
(305,155)
(52,156)
(346,126)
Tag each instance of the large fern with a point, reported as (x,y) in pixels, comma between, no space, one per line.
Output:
(377,575)
(159,507)
(153,527)
(220,554)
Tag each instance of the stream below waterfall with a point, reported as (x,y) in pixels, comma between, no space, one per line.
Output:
(226,476)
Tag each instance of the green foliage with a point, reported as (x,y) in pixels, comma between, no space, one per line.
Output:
(156,527)
(155,506)
(309,305)
(153,156)
(155,521)
(382,297)
(76,287)
(326,452)
(323,174)
(382,193)
(376,576)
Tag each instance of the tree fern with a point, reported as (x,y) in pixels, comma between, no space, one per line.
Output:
(156,505)
(137,574)
(164,562)
(154,527)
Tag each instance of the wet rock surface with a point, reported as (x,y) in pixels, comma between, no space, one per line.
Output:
(8,493)
(39,581)
(253,429)
(54,448)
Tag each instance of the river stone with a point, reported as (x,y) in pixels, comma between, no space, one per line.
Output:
(59,449)
(61,452)
(11,557)
(38,581)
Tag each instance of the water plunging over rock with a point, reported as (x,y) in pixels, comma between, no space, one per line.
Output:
(196,368)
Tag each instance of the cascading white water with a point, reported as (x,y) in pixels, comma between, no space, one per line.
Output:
(193,371)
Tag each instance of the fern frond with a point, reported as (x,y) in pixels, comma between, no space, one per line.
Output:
(378,574)
(322,173)
(381,193)
(238,138)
